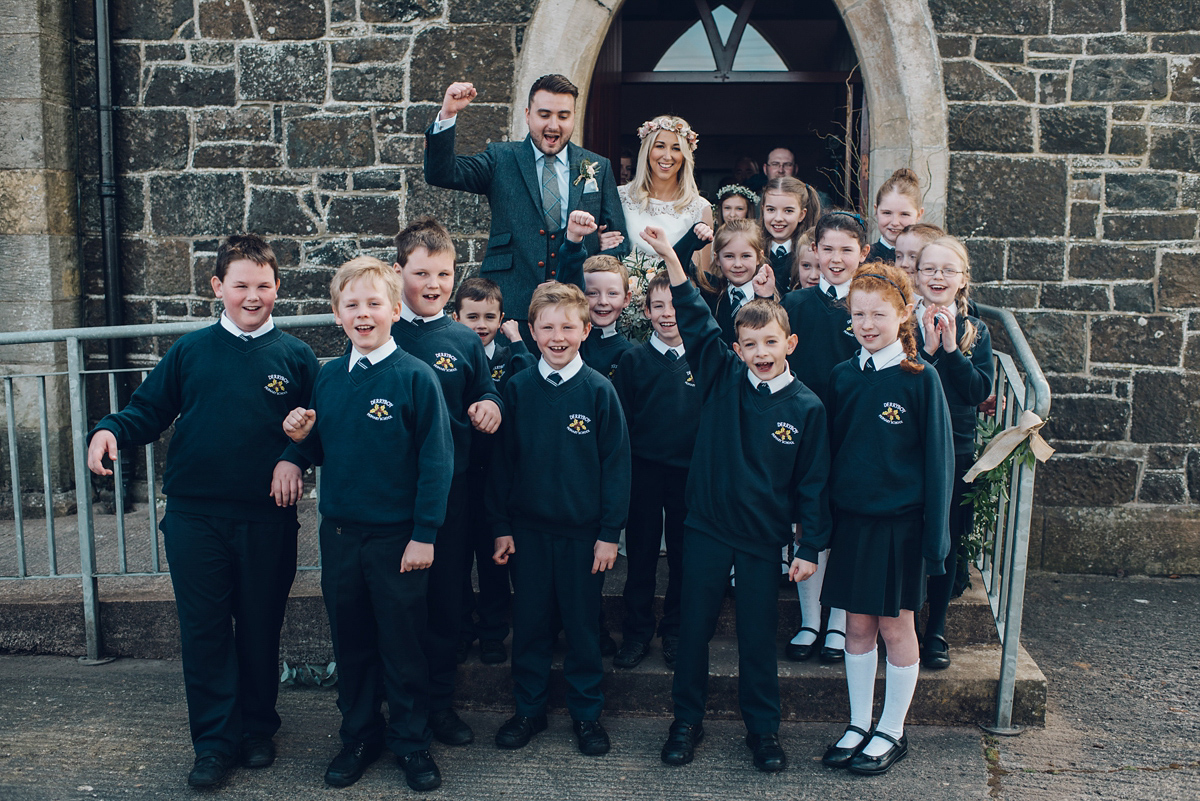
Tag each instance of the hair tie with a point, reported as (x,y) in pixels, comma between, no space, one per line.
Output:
(881,277)
(857,218)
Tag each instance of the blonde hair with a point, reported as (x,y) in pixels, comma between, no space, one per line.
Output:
(603,263)
(805,240)
(686,191)
(891,283)
(966,337)
(556,293)
(366,267)
(903,181)
(711,280)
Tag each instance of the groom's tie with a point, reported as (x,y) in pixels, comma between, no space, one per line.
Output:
(551,199)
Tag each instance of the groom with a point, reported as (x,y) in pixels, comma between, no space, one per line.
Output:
(531,187)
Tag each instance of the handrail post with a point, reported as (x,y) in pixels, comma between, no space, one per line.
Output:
(83,499)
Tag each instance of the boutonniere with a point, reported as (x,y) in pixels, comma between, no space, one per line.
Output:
(587,171)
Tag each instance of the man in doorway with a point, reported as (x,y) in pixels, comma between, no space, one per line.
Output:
(780,162)
(531,187)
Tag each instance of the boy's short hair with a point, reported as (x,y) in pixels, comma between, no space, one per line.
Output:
(366,267)
(244,246)
(759,313)
(558,294)
(926,231)
(423,232)
(659,282)
(603,263)
(479,290)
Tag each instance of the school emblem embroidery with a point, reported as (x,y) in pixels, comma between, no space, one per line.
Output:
(498,372)
(444,362)
(689,381)
(612,370)
(893,413)
(849,330)
(380,409)
(785,434)
(276,384)
(578,424)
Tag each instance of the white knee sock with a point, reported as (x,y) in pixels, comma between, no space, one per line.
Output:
(837,622)
(897,696)
(809,591)
(860,681)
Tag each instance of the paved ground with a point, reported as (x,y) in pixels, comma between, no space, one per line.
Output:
(1123,723)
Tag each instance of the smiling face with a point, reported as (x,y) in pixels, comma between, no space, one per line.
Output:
(366,314)
(895,213)
(248,291)
(558,331)
(660,311)
(665,156)
(607,297)
(838,255)
(908,250)
(428,280)
(481,316)
(738,261)
(940,275)
(808,267)
(551,120)
(781,214)
(764,350)
(875,319)
(780,164)
(734,207)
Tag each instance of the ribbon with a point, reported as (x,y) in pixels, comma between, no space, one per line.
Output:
(1007,441)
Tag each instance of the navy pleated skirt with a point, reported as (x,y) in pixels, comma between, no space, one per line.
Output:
(875,564)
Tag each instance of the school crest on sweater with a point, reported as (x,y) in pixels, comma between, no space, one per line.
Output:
(276,384)
(498,372)
(444,362)
(893,413)
(578,424)
(380,409)
(785,434)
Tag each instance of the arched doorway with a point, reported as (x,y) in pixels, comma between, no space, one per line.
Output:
(898,60)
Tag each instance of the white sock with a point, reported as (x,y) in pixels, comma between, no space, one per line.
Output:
(860,681)
(837,622)
(809,592)
(897,695)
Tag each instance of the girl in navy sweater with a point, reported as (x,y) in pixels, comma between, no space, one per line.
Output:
(889,492)
(729,284)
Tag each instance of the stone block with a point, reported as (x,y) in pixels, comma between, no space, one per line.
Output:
(461,212)
(987,260)
(274,212)
(151,139)
(376,83)
(1182,43)
(501,11)
(1147,540)
(954,46)
(1166,407)
(329,141)
(1179,281)
(1168,114)
(189,86)
(1141,191)
(237,154)
(1193,476)
(1175,149)
(165,52)
(1128,113)
(1052,88)
(990,196)
(245,123)
(385,49)
(225,19)
(1022,81)
(1128,140)
(294,73)
(390,180)
(1158,17)
(37,202)
(343,11)
(1088,419)
(1166,457)
(155,267)
(330,252)
(402,149)
(1007,296)
(130,204)
(289,19)
(481,54)
(1111,262)
(213,53)
(966,80)
(1075,297)
(309,283)
(145,19)
(1149,340)
(333,181)
(1086,481)
(37,270)
(1150,227)
(197,204)
(1056,44)
(1117,44)
(400,10)
(1085,220)
(287,251)
(1020,17)
(1058,339)
(1036,261)
(1077,385)
(1002,49)
(993,128)
(1119,80)
(1185,80)
(1162,487)
(365,214)
(1085,16)
(1073,129)
(1133,297)
(1190,196)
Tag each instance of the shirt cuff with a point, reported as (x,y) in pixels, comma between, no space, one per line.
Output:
(424,534)
(441,125)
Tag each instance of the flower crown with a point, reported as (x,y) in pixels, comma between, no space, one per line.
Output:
(738,189)
(665,124)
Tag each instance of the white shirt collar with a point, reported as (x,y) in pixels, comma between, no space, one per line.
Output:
(883,243)
(375,356)
(567,373)
(785,244)
(919,310)
(777,383)
(746,288)
(410,315)
(489,349)
(883,358)
(842,290)
(560,156)
(609,330)
(232,328)
(660,346)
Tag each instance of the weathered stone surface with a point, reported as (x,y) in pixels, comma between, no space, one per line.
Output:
(987,260)
(197,204)
(459,211)
(189,86)
(1144,540)
(326,141)
(330,252)
(224,19)
(308,282)
(1118,80)
(293,73)
(1023,17)
(1000,129)
(1006,296)
(150,139)
(1002,49)
(289,19)
(990,196)
(1133,297)
(1085,220)
(1153,340)
(1058,340)
(1085,480)
(1073,129)
(1036,261)
(1179,280)
(1151,15)
(1111,262)
(165,52)
(1056,44)
(1085,16)
(1185,81)
(1166,407)
(156,267)
(1193,475)
(400,10)
(1128,113)
(480,54)
(1128,140)
(1184,43)
(1168,113)
(237,155)
(967,80)
(1152,227)
(367,214)
(245,123)
(1175,149)
(384,84)
(1023,81)
(1076,297)
(275,212)
(402,150)
(1141,191)
(213,53)
(1166,457)
(386,49)
(133,19)
(1161,487)
(954,46)
(502,11)
(130,204)
(1088,419)
(1052,88)
(391,180)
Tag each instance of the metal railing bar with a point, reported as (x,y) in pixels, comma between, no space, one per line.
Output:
(47,576)
(1040,402)
(145,330)
(47,487)
(118,480)
(83,499)
(14,462)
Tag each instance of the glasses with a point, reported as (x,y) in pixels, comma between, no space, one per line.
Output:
(948,272)
(778,164)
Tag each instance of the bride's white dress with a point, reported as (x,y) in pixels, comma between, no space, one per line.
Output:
(661,214)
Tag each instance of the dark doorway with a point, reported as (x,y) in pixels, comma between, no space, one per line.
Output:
(748,75)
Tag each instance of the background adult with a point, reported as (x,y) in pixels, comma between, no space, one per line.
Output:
(780,163)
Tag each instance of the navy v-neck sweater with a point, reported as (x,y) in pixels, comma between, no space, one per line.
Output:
(661,403)
(822,326)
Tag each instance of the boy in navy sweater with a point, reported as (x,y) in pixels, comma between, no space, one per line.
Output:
(662,407)
(606,285)
(231,548)
(378,527)
(760,468)
(558,497)
(425,263)
(479,305)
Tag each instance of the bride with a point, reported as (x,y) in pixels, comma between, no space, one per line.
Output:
(663,190)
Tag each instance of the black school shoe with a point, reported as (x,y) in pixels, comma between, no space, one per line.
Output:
(420,771)
(878,765)
(670,649)
(350,764)
(210,769)
(449,729)
(631,654)
(591,736)
(935,655)
(802,653)
(257,751)
(768,753)
(682,739)
(833,655)
(492,652)
(517,731)
(838,757)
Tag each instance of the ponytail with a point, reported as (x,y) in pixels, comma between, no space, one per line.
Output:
(908,338)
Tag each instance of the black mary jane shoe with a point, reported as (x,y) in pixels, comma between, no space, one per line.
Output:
(878,765)
(802,653)
(935,655)
(838,757)
(831,656)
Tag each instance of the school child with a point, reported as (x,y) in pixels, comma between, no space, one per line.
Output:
(479,305)
(606,286)
(558,497)
(425,263)
(760,468)
(789,208)
(230,524)
(662,409)
(889,488)
(909,244)
(897,206)
(380,428)
(959,347)
(729,284)
(736,202)
(806,270)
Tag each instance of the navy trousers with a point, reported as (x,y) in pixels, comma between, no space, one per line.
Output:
(657,490)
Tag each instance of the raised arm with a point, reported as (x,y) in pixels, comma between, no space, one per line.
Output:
(442,167)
